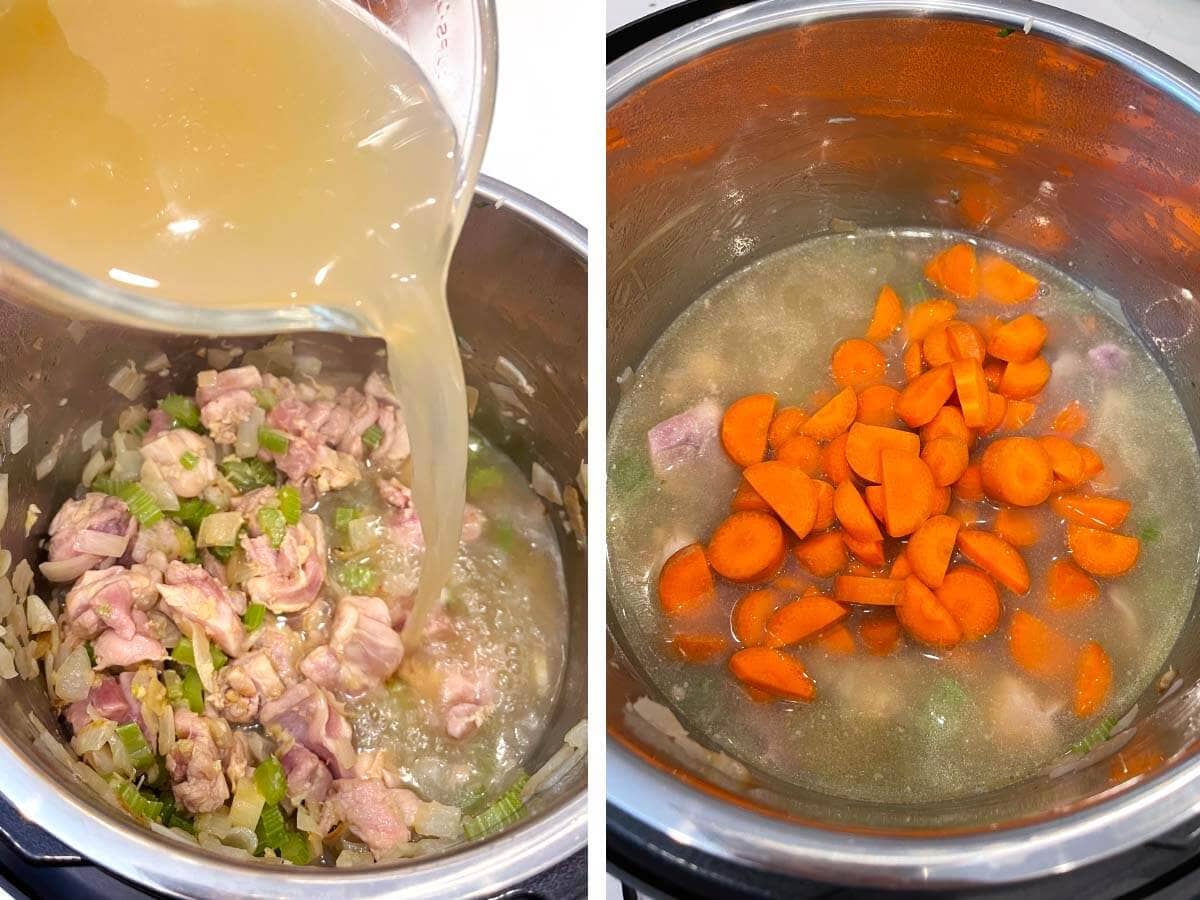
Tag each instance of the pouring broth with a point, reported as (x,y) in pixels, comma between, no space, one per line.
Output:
(892,718)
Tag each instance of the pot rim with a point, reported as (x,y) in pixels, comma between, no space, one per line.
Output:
(176,869)
(691,818)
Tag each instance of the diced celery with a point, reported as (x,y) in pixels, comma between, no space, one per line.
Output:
(264,398)
(187,546)
(482,479)
(271,825)
(183,653)
(134,800)
(272,440)
(193,690)
(372,436)
(254,616)
(271,780)
(294,848)
(140,504)
(218,657)
(289,504)
(247,474)
(139,752)
(506,808)
(192,512)
(106,485)
(344,515)
(273,524)
(188,460)
(183,410)
(357,577)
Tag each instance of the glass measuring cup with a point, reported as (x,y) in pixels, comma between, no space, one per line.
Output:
(454,46)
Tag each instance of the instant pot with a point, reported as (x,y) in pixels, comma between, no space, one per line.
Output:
(518,291)
(736,131)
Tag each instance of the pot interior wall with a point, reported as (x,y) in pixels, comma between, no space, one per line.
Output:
(757,142)
(515,291)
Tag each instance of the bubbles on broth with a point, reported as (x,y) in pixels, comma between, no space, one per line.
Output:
(917,725)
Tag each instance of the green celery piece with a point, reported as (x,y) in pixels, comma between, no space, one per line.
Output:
(272,440)
(289,504)
(254,616)
(271,780)
(344,515)
(192,512)
(372,437)
(188,460)
(140,754)
(506,808)
(141,504)
(193,690)
(273,524)
(482,479)
(248,474)
(357,577)
(183,410)
(183,653)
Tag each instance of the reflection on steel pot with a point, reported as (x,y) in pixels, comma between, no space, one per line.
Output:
(746,132)
(517,290)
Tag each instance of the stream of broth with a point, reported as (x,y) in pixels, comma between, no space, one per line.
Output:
(251,154)
(915,726)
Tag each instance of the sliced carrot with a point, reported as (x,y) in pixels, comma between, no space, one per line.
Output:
(746,545)
(954,270)
(912,361)
(868,591)
(802,618)
(870,552)
(993,371)
(1091,510)
(750,615)
(866,443)
(792,584)
(888,315)
(1069,587)
(1017,414)
(877,405)
(948,422)
(941,500)
(785,425)
(1070,420)
(972,390)
(788,490)
(947,458)
(924,617)
(685,584)
(969,488)
(1103,553)
(825,516)
(744,428)
(857,363)
(833,459)
(1002,282)
(930,548)
(995,556)
(865,570)
(987,325)
(836,640)
(1092,464)
(1016,471)
(935,347)
(924,316)
(921,399)
(823,555)
(971,598)
(852,511)
(772,671)
(1022,380)
(1130,764)
(747,497)
(997,407)
(1017,526)
(901,567)
(873,494)
(879,630)
(699,648)
(834,417)
(965,341)
(1065,459)
(802,451)
(1020,340)
(907,492)
(1036,647)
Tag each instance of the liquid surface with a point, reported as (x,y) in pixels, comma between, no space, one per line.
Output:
(918,725)
(252,154)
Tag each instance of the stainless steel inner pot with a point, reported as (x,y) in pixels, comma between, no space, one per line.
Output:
(517,288)
(743,133)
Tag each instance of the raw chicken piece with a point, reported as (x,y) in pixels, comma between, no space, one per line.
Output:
(159,422)
(157,545)
(211,384)
(226,401)
(362,412)
(193,595)
(405,528)
(112,649)
(363,650)
(288,578)
(307,777)
(105,598)
(243,686)
(165,452)
(249,505)
(194,765)
(282,647)
(467,700)
(309,715)
(106,700)
(82,527)
(379,815)
(683,437)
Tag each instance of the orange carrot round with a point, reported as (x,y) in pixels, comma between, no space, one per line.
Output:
(833,459)
(746,545)
(1093,678)
(685,583)
(750,615)
(867,590)
(1020,340)
(955,271)
(924,618)
(785,425)
(879,630)
(866,443)
(996,411)
(921,399)
(1023,380)
(901,567)
(924,316)
(1016,471)
(1070,420)
(789,492)
(825,516)
(947,458)
(1102,553)
(969,488)
(1036,647)
(930,548)
(877,405)
(972,600)
(802,618)
(852,511)
(993,371)
(947,422)
(869,552)
(699,648)
(1065,459)
(772,671)
(744,428)
(802,451)
(1002,282)
(1016,526)
(857,363)
(746,497)
(873,494)
(1091,510)
(935,347)
(912,361)
(1017,414)
(1092,464)
(941,500)
(1069,587)
(965,341)
(834,417)
(823,555)
(996,557)
(908,492)
(887,316)
(972,390)
(836,640)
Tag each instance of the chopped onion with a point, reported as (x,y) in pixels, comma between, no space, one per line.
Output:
(177,833)
(7,669)
(8,597)
(472,400)
(208,842)
(166,730)
(362,533)
(438,820)
(64,570)
(95,465)
(91,436)
(219,529)
(214,823)
(73,679)
(130,418)
(22,578)
(307,365)
(581,478)
(77,331)
(101,543)
(40,618)
(156,486)
(127,466)
(128,381)
(5,562)
(246,444)
(241,838)
(307,820)
(203,654)
(94,735)
(18,432)
(507,396)
(514,376)
(159,364)
(246,805)
(544,484)
(3,499)
(351,858)
(32,513)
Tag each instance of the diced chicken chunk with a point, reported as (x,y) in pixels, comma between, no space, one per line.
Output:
(193,595)
(379,815)
(683,437)
(195,765)
(226,401)
(87,534)
(287,578)
(243,686)
(363,650)
(167,452)
(315,720)
(106,598)
(307,777)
